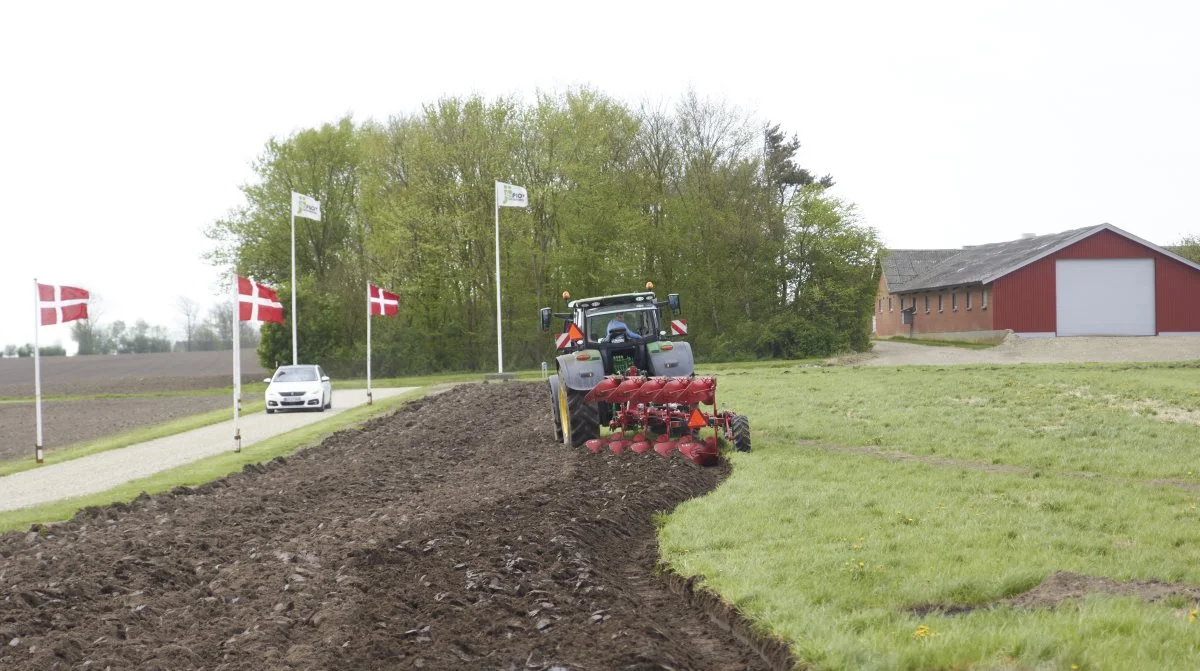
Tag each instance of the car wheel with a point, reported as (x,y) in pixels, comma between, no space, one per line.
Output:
(270,411)
(329,403)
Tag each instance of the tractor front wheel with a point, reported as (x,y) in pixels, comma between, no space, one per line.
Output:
(580,419)
(740,427)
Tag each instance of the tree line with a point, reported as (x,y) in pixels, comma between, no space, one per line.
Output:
(698,198)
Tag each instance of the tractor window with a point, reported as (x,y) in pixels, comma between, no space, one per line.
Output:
(640,322)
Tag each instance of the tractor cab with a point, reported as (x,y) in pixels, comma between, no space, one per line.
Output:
(620,328)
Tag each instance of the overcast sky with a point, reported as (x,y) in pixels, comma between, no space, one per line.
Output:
(129,127)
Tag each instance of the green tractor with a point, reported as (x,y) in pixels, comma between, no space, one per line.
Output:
(620,365)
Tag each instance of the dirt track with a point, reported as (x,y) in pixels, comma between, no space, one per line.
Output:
(454,534)
(126,373)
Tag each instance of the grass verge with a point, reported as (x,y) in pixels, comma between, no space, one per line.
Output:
(931,342)
(872,494)
(206,470)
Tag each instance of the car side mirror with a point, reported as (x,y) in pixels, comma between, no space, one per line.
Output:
(545,319)
(324,378)
(673,301)
(267,380)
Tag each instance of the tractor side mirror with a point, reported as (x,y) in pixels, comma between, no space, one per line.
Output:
(673,301)
(545,319)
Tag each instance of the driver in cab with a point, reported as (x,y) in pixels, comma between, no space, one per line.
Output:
(618,322)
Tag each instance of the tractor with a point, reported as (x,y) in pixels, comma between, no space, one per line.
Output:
(620,365)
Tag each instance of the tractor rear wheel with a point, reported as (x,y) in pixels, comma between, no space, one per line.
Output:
(580,419)
(741,433)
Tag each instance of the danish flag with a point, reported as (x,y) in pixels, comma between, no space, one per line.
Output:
(61,304)
(383,302)
(258,302)
(678,327)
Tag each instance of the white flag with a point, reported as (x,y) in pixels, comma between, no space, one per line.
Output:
(303,206)
(508,195)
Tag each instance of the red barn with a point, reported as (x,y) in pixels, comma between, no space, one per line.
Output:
(1089,281)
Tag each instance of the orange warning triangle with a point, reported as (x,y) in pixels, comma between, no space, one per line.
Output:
(696,420)
(574,333)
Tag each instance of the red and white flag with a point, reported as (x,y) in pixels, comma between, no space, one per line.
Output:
(61,304)
(383,302)
(258,302)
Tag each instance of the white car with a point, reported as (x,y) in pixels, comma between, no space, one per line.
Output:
(299,388)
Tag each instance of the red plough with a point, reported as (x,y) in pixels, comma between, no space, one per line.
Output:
(671,408)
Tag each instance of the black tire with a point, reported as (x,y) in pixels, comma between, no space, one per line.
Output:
(558,427)
(270,411)
(329,405)
(741,433)
(581,421)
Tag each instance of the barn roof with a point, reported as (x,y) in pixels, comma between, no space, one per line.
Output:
(927,269)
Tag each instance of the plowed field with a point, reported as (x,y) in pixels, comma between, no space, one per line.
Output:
(454,534)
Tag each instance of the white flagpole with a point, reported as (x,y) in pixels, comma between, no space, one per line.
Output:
(237,366)
(37,370)
(499,337)
(295,198)
(369,399)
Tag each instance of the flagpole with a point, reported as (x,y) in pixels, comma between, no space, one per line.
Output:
(237,365)
(37,370)
(369,399)
(294,315)
(499,337)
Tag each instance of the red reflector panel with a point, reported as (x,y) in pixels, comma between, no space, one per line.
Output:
(582,356)
(696,420)
(667,347)
(562,340)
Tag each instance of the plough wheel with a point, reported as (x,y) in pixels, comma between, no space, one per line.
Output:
(581,420)
(741,433)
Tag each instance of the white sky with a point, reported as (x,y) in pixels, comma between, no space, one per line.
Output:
(128,127)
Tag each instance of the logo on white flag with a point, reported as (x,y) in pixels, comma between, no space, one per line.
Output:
(510,195)
(303,206)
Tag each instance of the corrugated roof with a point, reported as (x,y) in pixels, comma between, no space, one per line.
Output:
(912,270)
(902,266)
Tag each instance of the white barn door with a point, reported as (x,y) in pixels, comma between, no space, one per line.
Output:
(1105,297)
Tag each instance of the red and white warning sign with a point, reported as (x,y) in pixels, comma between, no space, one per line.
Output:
(562,340)
(678,327)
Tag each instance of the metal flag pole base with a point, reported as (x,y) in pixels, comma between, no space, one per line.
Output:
(38,453)
(237,440)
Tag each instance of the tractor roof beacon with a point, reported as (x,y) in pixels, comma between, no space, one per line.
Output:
(618,365)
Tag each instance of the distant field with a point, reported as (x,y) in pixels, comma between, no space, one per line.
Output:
(989,517)
(126,374)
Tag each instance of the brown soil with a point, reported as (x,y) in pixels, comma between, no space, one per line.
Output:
(1059,587)
(68,422)
(1064,586)
(126,373)
(453,534)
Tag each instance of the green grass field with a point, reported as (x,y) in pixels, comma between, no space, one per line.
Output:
(874,494)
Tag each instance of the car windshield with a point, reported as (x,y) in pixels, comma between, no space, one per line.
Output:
(296,374)
(640,322)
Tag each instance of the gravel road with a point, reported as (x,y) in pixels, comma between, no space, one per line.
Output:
(1016,349)
(100,472)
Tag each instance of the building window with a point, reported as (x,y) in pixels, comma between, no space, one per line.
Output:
(953,301)
(968,299)
(889,303)
(939,302)
(983,300)
(879,306)
(926,303)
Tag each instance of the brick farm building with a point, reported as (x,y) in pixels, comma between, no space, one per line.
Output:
(1090,281)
